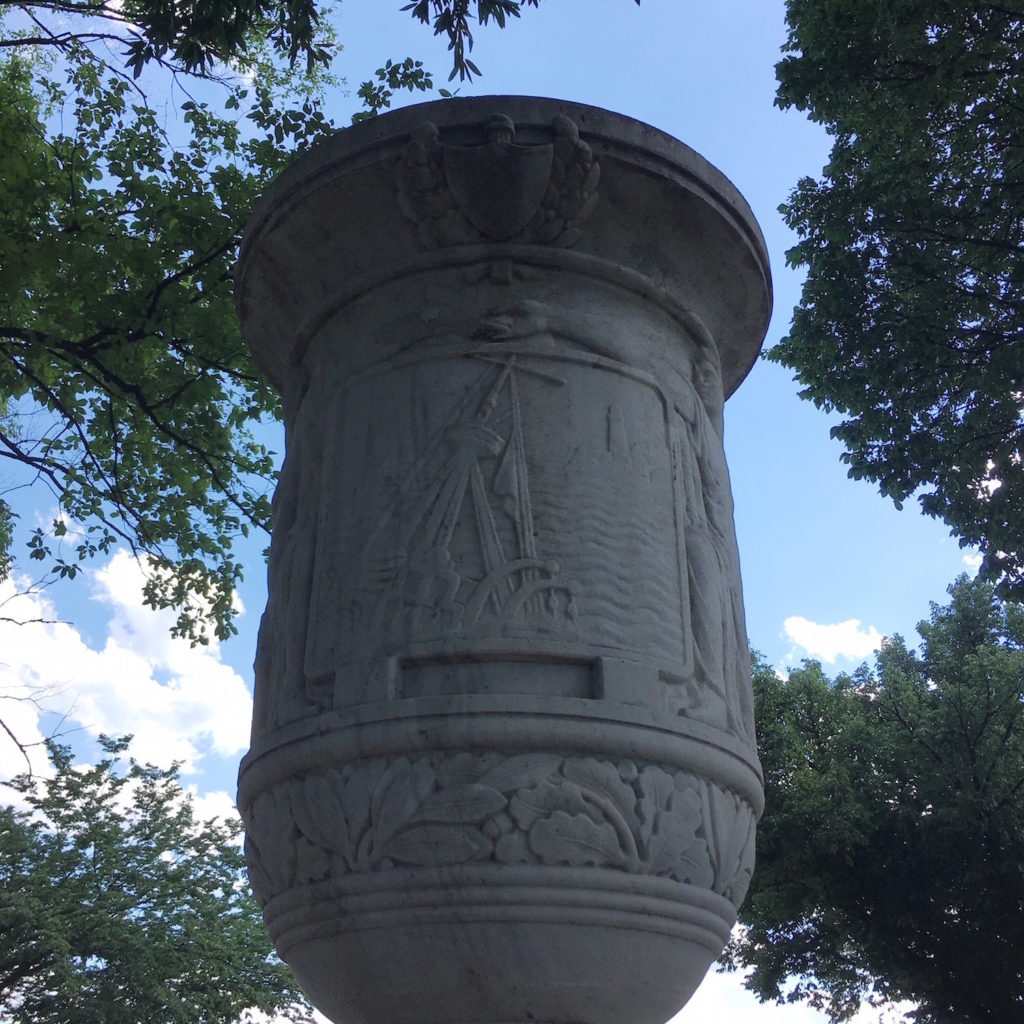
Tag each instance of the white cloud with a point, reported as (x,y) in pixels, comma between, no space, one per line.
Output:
(972,561)
(723,999)
(215,804)
(20,715)
(829,642)
(891,1013)
(259,1017)
(178,701)
(21,703)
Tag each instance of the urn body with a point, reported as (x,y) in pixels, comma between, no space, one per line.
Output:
(503,763)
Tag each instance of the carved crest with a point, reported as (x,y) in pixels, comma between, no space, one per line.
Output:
(499,191)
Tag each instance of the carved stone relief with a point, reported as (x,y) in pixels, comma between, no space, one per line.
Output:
(283,692)
(500,190)
(518,465)
(532,808)
(480,514)
(721,659)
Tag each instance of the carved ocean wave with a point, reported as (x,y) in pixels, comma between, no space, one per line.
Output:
(622,554)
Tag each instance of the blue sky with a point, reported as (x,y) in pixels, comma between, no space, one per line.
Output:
(829,567)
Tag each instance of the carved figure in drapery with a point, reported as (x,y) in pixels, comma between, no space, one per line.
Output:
(721,657)
(283,693)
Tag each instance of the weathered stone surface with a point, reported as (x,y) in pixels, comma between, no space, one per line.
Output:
(503,762)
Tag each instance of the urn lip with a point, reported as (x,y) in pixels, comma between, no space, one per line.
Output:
(619,142)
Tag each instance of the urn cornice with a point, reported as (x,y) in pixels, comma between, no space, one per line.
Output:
(628,204)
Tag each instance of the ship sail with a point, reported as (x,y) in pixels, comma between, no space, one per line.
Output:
(481,478)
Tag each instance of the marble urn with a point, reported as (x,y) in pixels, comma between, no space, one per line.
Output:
(503,765)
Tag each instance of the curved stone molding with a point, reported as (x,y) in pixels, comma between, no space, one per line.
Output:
(519,893)
(505,935)
(503,766)
(338,207)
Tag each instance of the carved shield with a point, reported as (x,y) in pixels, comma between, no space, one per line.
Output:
(498,188)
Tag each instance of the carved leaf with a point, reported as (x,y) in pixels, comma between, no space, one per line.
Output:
(711,823)
(464,768)
(602,777)
(469,804)
(360,784)
(599,782)
(729,824)
(656,790)
(735,881)
(400,802)
(694,866)
(670,818)
(312,862)
(271,840)
(262,885)
(674,848)
(521,771)
(320,812)
(576,840)
(587,208)
(392,772)
(513,849)
(549,230)
(530,805)
(438,845)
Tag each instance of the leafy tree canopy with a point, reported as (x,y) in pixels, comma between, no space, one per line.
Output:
(911,322)
(117,905)
(452,18)
(194,37)
(889,860)
(126,388)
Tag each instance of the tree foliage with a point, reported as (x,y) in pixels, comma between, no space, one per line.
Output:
(889,861)
(124,385)
(911,322)
(453,18)
(117,905)
(194,37)
(128,390)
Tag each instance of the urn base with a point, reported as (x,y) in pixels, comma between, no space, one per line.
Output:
(512,945)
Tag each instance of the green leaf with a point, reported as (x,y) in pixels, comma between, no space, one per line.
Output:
(111,885)
(910,318)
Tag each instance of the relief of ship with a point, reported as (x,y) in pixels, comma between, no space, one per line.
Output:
(461,547)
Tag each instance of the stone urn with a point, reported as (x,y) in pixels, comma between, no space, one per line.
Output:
(503,764)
